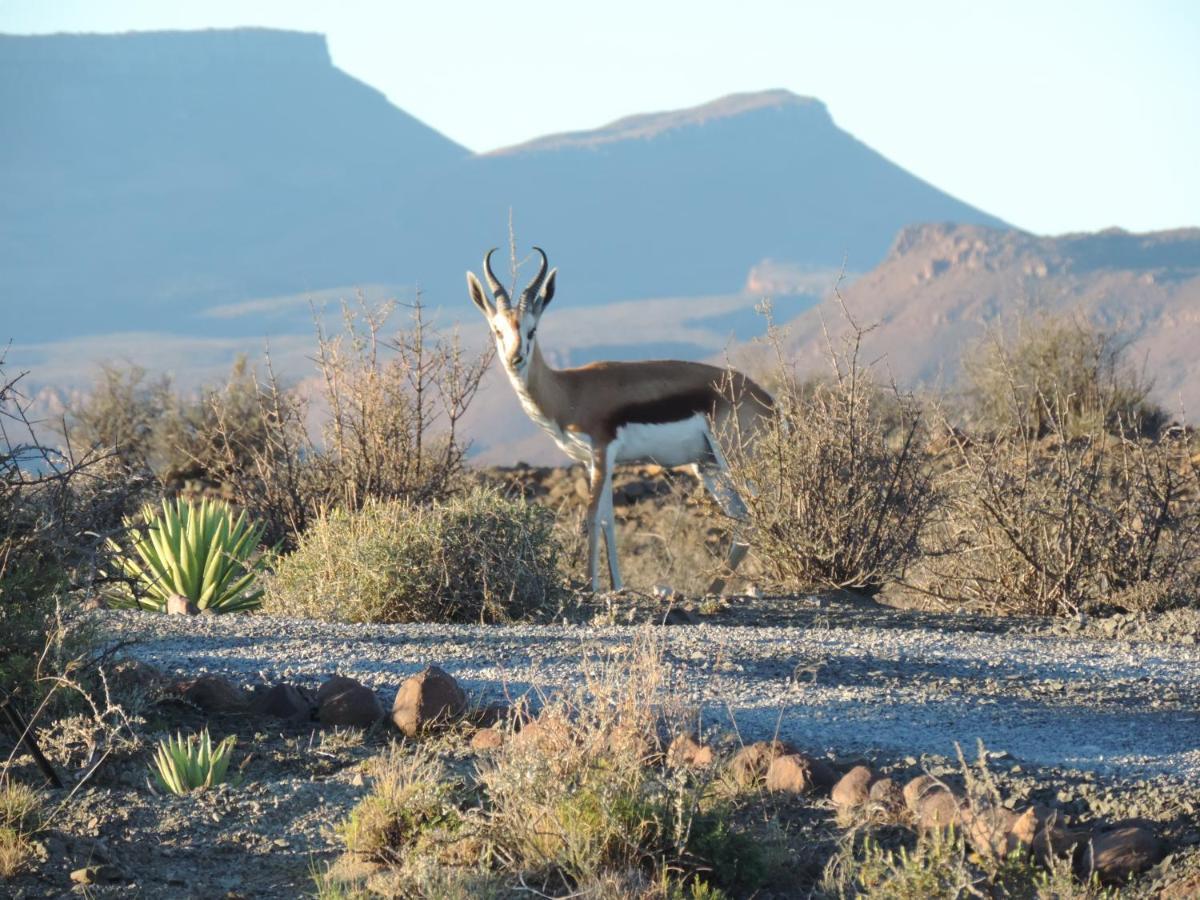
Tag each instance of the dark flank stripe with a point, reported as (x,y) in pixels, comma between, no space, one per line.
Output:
(673,408)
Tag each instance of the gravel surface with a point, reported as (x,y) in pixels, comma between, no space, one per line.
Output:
(846,684)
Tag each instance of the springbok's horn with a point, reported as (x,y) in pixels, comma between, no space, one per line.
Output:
(502,299)
(531,292)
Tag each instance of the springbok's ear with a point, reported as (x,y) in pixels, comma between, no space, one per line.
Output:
(547,290)
(475,289)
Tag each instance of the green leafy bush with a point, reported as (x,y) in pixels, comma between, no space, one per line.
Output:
(182,765)
(198,550)
(476,557)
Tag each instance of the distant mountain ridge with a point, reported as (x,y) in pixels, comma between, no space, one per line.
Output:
(942,285)
(147,178)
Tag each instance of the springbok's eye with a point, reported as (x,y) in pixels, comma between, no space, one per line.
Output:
(532,332)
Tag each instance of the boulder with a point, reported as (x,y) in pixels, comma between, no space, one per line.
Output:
(213,694)
(179,605)
(887,797)
(282,701)
(916,789)
(1122,850)
(938,809)
(686,752)
(428,699)
(798,773)
(344,702)
(853,789)
(749,765)
(487,739)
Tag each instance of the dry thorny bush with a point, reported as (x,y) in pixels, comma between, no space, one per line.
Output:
(1078,496)
(392,407)
(836,483)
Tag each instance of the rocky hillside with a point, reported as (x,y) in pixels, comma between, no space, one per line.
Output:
(942,286)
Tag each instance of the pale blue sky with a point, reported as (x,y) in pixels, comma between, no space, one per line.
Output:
(1056,116)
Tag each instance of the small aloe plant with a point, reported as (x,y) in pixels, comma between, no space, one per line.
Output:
(182,765)
(197,550)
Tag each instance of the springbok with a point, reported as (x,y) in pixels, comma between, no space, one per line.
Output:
(663,411)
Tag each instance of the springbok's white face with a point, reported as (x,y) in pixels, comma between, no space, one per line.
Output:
(514,328)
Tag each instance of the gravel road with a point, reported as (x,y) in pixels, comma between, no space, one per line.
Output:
(1120,707)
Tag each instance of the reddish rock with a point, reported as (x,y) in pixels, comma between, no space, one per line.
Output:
(335,684)
(343,702)
(487,739)
(179,605)
(989,828)
(1122,850)
(938,809)
(887,797)
(213,694)
(282,701)
(796,773)
(854,788)
(428,699)
(685,752)
(916,789)
(749,765)
(1186,888)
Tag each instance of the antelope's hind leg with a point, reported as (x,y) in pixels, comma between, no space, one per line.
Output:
(714,473)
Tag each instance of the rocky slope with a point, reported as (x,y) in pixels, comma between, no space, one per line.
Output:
(942,286)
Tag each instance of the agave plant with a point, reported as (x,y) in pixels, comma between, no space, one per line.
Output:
(182,765)
(197,550)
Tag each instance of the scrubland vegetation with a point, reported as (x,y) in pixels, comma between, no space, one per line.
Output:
(1051,486)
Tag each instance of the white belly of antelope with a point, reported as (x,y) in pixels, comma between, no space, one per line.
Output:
(666,443)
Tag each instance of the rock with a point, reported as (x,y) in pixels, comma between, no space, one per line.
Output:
(347,703)
(429,698)
(798,773)
(629,740)
(179,605)
(547,733)
(95,874)
(335,684)
(749,765)
(1186,888)
(213,694)
(282,701)
(989,829)
(685,752)
(853,790)
(487,716)
(487,739)
(938,809)
(916,789)
(887,797)
(1121,851)
(677,615)
(130,675)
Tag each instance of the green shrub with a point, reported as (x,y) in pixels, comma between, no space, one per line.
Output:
(197,550)
(478,557)
(1058,374)
(184,765)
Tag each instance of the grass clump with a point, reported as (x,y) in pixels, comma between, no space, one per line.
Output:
(477,557)
(411,803)
(198,550)
(184,765)
(836,485)
(20,816)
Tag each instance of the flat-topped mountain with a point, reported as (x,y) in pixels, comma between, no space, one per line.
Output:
(149,179)
(941,286)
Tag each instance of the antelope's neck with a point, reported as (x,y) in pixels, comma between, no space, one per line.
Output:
(544,400)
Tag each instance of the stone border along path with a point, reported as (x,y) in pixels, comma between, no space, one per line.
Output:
(1129,709)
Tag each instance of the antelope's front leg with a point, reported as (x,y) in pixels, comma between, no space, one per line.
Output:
(600,481)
